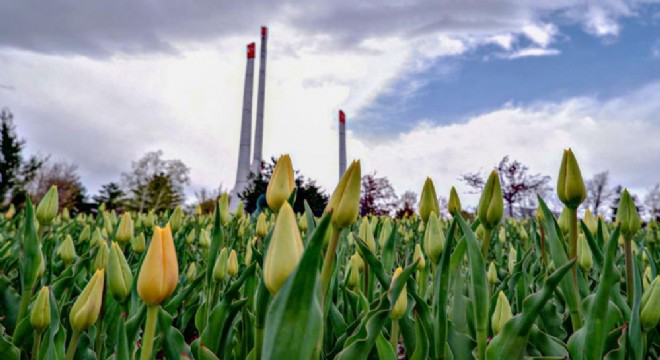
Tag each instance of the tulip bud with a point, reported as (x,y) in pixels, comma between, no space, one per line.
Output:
(349,239)
(223,207)
(513,254)
(67,250)
(220,267)
(262,228)
(125,230)
(86,308)
(353,272)
(628,216)
(40,315)
(281,183)
(650,313)
(401,304)
(564,221)
(150,219)
(108,225)
(101,259)
(492,274)
(454,201)
(385,232)
(591,222)
(192,272)
(190,239)
(97,238)
(366,235)
(491,204)
(198,210)
(85,234)
(570,186)
(139,244)
(247,260)
(232,264)
(428,201)
(176,219)
(120,278)
(284,251)
(65,214)
(10,212)
(240,208)
(502,313)
(418,255)
(159,274)
(345,200)
(584,253)
(358,260)
(434,238)
(302,224)
(204,239)
(47,209)
(501,235)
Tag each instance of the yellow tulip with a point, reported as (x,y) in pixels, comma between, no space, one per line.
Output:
(85,310)
(159,274)
(284,251)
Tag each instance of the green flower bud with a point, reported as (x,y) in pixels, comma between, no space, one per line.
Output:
(125,231)
(204,239)
(67,251)
(85,234)
(120,278)
(501,314)
(491,204)
(240,208)
(65,214)
(302,224)
(86,308)
(192,272)
(47,209)
(223,207)
(101,259)
(401,304)
(570,186)
(353,273)
(591,222)
(628,216)
(220,267)
(232,264)
(501,235)
(418,255)
(150,219)
(139,244)
(492,274)
(434,238)
(366,235)
(454,201)
(564,221)
(247,260)
(584,253)
(650,313)
(190,239)
(513,255)
(97,238)
(385,232)
(345,200)
(262,228)
(176,219)
(281,184)
(428,201)
(284,251)
(40,315)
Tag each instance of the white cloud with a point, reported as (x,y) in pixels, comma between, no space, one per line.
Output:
(541,34)
(527,52)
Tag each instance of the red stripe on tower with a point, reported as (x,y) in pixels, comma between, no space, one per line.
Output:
(342,116)
(264,31)
(250,51)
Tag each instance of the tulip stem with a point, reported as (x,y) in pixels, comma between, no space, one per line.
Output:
(36,345)
(326,272)
(572,251)
(394,338)
(73,344)
(630,289)
(486,244)
(100,333)
(543,259)
(149,332)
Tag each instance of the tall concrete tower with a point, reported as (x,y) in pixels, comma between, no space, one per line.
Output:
(342,143)
(243,169)
(257,158)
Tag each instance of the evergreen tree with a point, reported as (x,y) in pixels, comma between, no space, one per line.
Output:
(112,195)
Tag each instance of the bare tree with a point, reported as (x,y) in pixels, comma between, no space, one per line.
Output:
(598,192)
(64,175)
(652,202)
(378,196)
(407,204)
(518,187)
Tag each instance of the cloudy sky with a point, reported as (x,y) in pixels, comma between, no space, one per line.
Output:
(430,88)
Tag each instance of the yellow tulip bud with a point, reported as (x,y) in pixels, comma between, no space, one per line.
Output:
(125,230)
(223,207)
(86,308)
(591,222)
(454,201)
(584,256)
(418,255)
(262,228)
(366,235)
(385,232)
(353,272)
(198,210)
(358,260)
(176,219)
(232,264)
(220,267)
(513,254)
(570,186)
(401,304)
(564,221)
(350,239)
(204,239)
(97,238)
(247,260)
(628,216)
(491,203)
(345,200)
(502,313)
(139,244)
(302,224)
(192,272)
(492,273)
(101,259)
(190,239)
(159,274)
(240,208)
(501,236)
(150,219)
(281,183)
(65,214)
(47,209)
(10,212)
(120,278)
(434,238)
(67,250)
(284,251)
(650,313)
(428,201)
(85,234)
(40,315)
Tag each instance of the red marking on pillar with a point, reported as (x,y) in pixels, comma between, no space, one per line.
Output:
(342,117)
(250,51)
(264,31)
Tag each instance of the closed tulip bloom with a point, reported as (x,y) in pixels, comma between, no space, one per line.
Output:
(223,206)
(47,209)
(262,227)
(345,200)
(204,239)
(284,251)
(650,309)
(190,238)
(353,272)
(232,264)
(366,235)
(502,313)
(281,183)
(139,243)
(418,255)
(513,255)
(584,255)
(628,216)
(97,238)
(564,221)
(176,219)
(358,260)
(492,273)
(125,231)
(570,186)
(454,201)
(385,232)
(150,219)
(220,267)
(85,234)
(192,272)
(501,235)
(86,308)
(434,238)
(401,304)
(67,250)
(159,274)
(302,224)
(10,212)
(40,315)
(65,214)
(591,222)
(491,203)
(428,201)
(120,278)
(101,259)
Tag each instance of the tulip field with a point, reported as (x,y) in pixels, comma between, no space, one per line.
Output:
(281,285)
